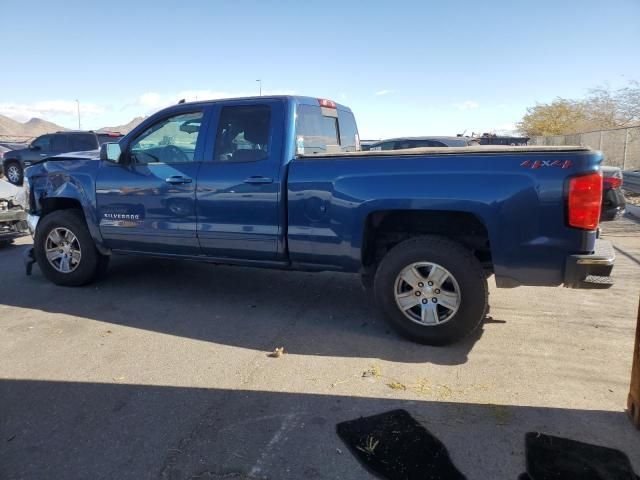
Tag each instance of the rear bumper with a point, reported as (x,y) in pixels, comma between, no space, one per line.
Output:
(591,270)
(613,204)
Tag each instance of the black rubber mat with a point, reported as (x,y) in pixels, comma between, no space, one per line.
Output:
(394,446)
(556,458)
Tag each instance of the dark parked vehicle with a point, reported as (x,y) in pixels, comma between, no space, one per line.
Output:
(420,142)
(15,161)
(491,139)
(613,202)
(278,182)
(365,145)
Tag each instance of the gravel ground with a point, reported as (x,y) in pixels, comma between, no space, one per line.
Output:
(161,371)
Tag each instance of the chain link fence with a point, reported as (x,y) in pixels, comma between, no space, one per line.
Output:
(621,146)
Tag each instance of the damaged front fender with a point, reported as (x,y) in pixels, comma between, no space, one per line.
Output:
(62,184)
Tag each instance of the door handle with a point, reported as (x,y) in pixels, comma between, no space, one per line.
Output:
(257,180)
(178,179)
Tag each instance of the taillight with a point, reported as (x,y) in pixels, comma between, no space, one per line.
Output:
(612,182)
(585,198)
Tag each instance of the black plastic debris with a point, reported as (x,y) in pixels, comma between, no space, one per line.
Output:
(556,458)
(394,446)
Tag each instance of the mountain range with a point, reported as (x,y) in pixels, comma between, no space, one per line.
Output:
(38,126)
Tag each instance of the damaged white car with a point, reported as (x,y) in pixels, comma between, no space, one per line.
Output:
(13,219)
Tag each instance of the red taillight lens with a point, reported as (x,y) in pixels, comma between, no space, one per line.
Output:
(323,102)
(585,198)
(612,182)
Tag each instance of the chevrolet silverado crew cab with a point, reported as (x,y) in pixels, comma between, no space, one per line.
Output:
(280,182)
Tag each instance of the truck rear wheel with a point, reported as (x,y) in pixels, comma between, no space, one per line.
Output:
(431,290)
(65,251)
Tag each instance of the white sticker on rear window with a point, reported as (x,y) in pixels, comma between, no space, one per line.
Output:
(300,145)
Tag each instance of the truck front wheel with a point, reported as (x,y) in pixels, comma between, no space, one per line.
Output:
(65,251)
(432,290)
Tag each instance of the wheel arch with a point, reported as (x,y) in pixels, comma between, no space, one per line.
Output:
(69,197)
(383,229)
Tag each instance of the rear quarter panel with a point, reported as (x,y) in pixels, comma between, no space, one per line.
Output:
(523,208)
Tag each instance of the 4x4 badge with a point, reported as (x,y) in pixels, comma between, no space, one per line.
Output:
(547,163)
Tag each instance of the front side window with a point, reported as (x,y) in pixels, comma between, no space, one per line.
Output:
(43,142)
(171,140)
(243,134)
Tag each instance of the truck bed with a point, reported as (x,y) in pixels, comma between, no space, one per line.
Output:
(492,149)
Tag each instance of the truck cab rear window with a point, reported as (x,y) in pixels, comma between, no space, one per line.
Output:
(316,133)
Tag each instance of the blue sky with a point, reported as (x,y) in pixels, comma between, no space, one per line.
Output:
(405,68)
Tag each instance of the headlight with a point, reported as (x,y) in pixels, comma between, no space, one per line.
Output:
(26,193)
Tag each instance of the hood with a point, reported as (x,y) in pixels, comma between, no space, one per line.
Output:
(11,193)
(87,155)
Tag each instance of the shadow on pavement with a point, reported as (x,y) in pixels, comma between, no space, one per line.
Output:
(325,314)
(72,430)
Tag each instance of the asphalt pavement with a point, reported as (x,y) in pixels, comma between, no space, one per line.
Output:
(161,370)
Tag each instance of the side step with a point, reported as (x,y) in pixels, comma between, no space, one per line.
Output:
(595,281)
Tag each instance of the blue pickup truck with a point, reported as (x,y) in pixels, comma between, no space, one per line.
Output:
(280,182)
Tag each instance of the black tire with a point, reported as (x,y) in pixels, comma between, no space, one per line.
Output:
(92,263)
(19,173)
(461,264)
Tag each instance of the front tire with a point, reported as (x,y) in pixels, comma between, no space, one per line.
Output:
(431,290)
(14,173)
(65,251)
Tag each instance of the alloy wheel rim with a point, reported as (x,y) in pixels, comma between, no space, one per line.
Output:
(427,293)
(13,174)
(62,249)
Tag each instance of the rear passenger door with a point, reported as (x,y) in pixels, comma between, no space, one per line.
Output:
(239,182)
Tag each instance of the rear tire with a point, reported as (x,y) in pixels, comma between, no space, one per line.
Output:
(439,283)
(83,263)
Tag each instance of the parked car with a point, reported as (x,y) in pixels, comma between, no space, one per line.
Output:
(365,145)
(493,139)
(13,219)
(278,182)
(15,161)
(418,142)
(613,201)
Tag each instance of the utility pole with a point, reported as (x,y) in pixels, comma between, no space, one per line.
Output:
(260,86)
(78,102)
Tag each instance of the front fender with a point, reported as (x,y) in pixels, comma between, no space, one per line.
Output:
(61,184)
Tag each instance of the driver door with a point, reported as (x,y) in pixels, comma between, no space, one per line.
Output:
(146,203)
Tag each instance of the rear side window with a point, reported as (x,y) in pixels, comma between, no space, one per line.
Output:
(59,143)
(81,143)
(243,134)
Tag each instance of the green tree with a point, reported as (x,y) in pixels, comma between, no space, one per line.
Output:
(601,109)
(556,118)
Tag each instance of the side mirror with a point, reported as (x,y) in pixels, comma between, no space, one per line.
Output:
(110,152)
(34,147)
